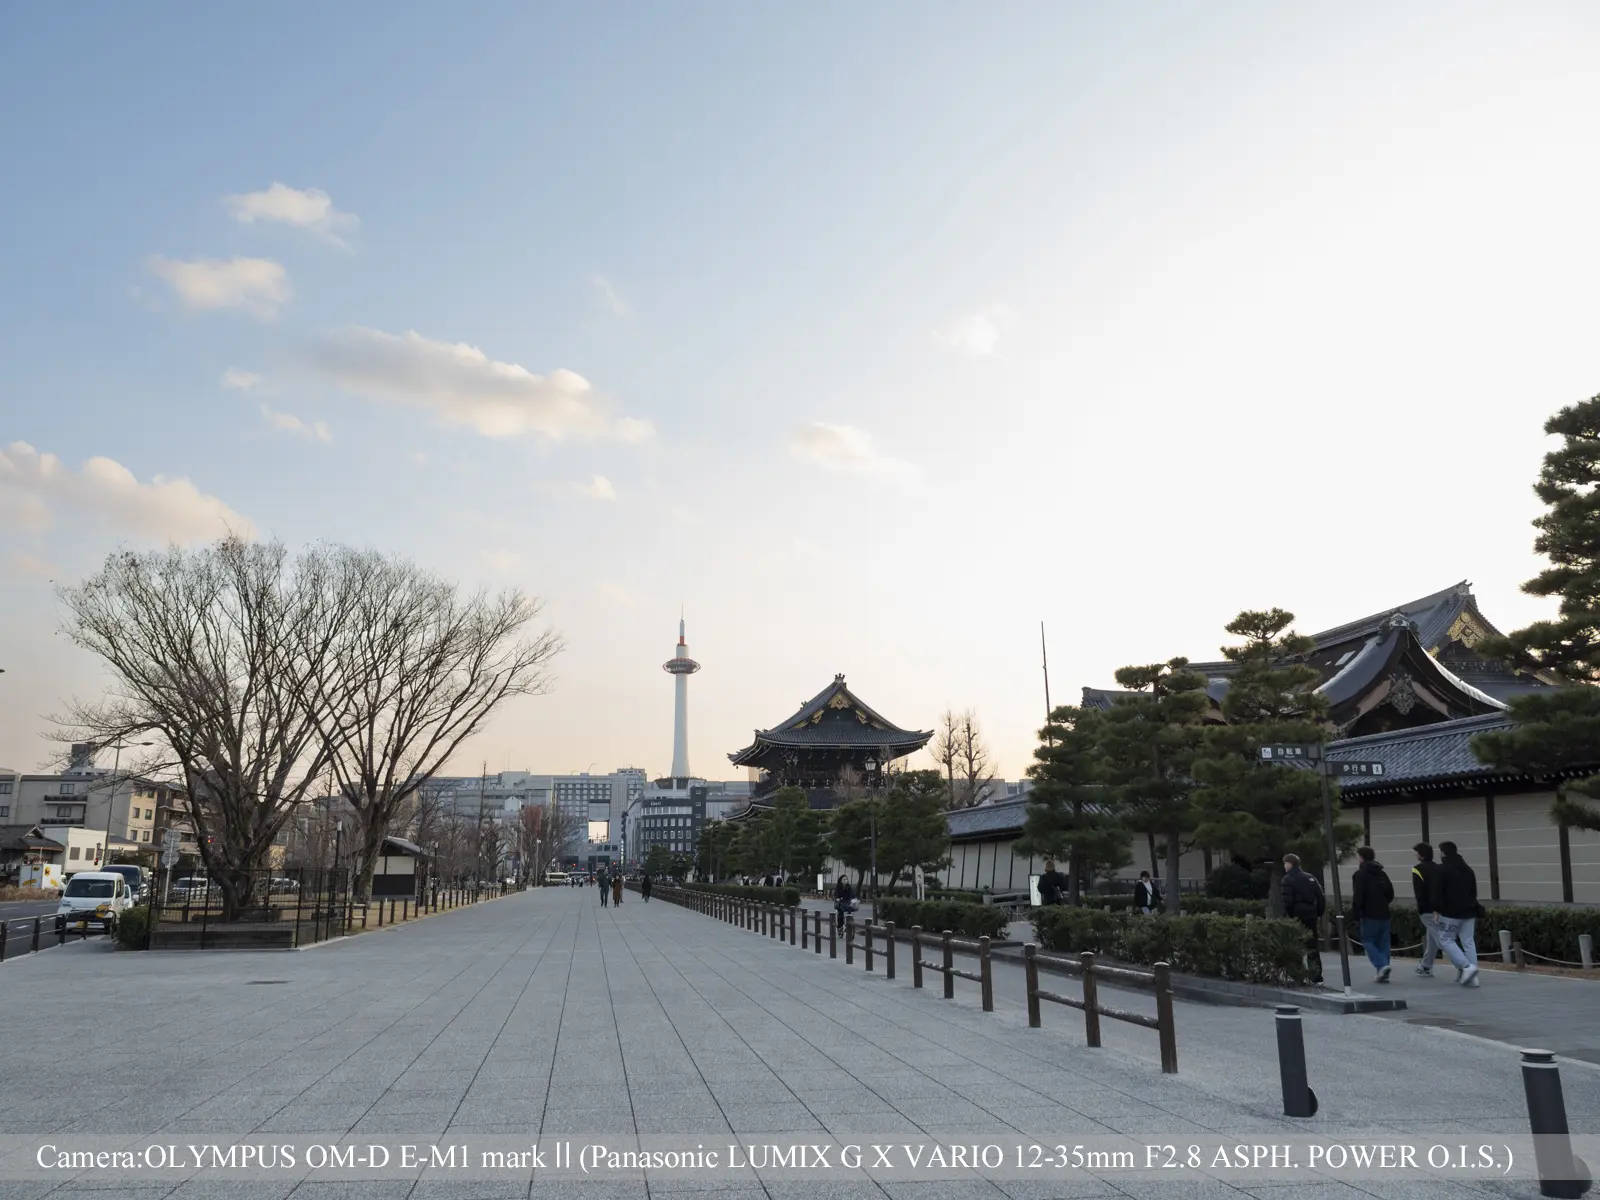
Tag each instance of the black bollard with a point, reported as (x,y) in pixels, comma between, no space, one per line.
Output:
(1298,1098)
(1561,1173)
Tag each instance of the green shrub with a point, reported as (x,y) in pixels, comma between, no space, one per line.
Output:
(935,916)
(788,897)
(1224,947)
(133,928)
(1549,931)
(1233,881)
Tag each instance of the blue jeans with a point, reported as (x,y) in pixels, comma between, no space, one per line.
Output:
(1375,938)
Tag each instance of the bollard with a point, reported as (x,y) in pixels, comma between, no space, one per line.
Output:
(949,967)
(36,933)
(2,941)
(1166,1027)
(792,919)
(804,930)
(849,941)
(1505,946)
(1298,1098)
(1561,1173)
(866,933)
(816,931)
(1516,953)
(1586,950)
(1031,965)
(985,982)
(61,930)
(916,955)
(1091,1001)
(833,938)
(888,949)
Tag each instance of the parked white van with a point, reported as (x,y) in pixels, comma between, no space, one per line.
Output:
(95,897)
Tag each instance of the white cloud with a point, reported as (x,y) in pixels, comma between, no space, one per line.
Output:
(607,296)
(309,208)
(34,485)
(977,334)
(463,386)
(257,285)
(241,380)
(598,488)
(847,450)
(289,423)
(501,561)
(619,596)
(32,566)
(418,458)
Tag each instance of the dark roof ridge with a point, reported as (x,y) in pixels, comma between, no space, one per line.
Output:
(1415,733)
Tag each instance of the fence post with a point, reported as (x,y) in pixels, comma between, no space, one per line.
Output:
(985,982)
(36,933)
(805,932)
(816,931)
(1516,952)
(2,941)
(849,941)
(793,917)
(1586,950)
(1561,1173)
(1031,966)
(916,956)
(1298,1098)
(888,949)
(833,938)
(1166,1028)
(949,966)
(866,935)
(1505,946)
(1091,1000)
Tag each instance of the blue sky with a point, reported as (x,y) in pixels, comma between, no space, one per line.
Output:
(943,320)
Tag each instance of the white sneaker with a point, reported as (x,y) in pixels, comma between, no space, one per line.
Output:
(1460,973)
(1425,972)
(1469,977)
(1383,975)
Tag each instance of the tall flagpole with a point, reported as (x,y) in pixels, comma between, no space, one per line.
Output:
(1044,658)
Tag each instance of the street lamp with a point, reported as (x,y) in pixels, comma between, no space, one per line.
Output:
(111,800)
(872,813)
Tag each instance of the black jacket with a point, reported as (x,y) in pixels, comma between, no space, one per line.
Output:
(1422,884)
(1146,894)
(1051,885)
(1372,893)
(1302,896)
(843,893)
(1455,889)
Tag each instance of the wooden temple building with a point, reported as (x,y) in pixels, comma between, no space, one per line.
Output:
(830,735)
(1406,689)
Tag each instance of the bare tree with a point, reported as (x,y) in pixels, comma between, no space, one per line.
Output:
(973,766)
(210,651)
(946,750)
(416,670)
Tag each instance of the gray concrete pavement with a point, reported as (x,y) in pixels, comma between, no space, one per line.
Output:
(545,1015)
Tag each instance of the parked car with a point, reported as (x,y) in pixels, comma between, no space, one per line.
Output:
(134,876)
(193,887)
(281,884)
(95,898)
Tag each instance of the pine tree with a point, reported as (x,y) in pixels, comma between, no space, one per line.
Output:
(1070,809)
(1149,745)
(913,829)
(1260,810)
(1556,731)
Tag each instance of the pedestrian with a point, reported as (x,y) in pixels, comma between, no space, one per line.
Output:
(1303,901)
(1422,888)
(844,899)
(644,887)
(605,891)
(616,890)
(1370,896)
(1455,912)
(1051,884)
(1146,895)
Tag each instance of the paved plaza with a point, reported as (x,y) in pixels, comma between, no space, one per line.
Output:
(544,1015)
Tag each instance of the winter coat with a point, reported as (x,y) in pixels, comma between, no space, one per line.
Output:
(1052,884)
(1422,884)
(1302,897)
(1146,894)
(1371,893)
(1455,889)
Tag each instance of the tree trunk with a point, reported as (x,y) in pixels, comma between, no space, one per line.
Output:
(366,858)
(1173,894)
(1155,863)
(1274,895)
(1074,883)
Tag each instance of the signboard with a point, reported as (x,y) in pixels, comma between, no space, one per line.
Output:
(171,838)
(1033,891)
(169,858)
(1289,752)
(1353,767)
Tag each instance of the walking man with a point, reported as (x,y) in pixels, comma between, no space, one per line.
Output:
(1422,890)
(1051,884)
(644,887)
(1303,901)
(1146,895)
(1370,898)
(605,888)
(1455,912)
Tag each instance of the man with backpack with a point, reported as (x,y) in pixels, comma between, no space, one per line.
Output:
(1303,901)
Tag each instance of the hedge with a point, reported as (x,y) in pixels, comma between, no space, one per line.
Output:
(935,916)
(1191,903)
(1255,951)
(788,897)
(133,928)
(1551,932)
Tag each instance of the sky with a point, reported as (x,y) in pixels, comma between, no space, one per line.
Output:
(868,336)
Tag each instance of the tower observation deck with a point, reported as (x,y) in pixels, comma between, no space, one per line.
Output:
(680,666)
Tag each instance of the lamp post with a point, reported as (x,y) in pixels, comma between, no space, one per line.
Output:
(873,767)
(338,846)
(111,800)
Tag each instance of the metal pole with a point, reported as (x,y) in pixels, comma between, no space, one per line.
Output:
(1561,1173)
(1032,965)
(1166,1027)
(1333,865)
(916,956)
(1298,1098)
(1091,1001)
(888,949)
(111,802)
(985,980)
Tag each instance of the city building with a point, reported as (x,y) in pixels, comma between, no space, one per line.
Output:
(126,812)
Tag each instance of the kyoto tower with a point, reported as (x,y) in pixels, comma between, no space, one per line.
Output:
(680,666)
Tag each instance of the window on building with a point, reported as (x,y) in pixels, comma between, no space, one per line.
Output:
(72,853)
(5,787)
(5,810)
(144,835)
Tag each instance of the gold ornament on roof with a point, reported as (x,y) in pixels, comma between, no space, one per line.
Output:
(840,700)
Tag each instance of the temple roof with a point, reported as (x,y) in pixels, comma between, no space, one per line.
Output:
(834,719)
